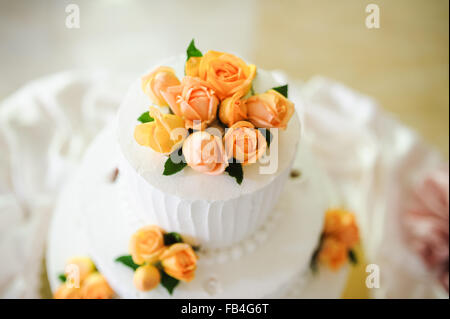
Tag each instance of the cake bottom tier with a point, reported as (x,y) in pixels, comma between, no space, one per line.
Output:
(93,218)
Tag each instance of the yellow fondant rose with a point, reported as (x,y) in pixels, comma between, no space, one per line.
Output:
(233,110)
(158,81)
(146,278)
(270,109)
(164,135)
(226,73)
(147,244)
(96,287)
(180,261)
(244,142)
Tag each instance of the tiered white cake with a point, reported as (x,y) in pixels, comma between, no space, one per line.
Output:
(213,210)
(253,244)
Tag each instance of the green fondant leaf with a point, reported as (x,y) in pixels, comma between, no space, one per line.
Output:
(172,238)
(235,170)
(127,261)
(145,117)
(192,51)
(62,277)
(168,282)
(313,264)
(170,167)
(266,133)
(352,257)
(283,90)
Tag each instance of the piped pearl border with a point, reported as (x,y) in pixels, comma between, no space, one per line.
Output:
(246,246)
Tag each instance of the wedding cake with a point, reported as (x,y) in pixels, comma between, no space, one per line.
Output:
(201,188)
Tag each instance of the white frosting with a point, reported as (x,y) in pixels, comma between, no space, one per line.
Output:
(276,266)
(214,210)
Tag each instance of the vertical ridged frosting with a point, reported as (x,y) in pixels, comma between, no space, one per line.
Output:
(212,224)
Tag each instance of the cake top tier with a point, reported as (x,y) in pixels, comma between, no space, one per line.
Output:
(199,111)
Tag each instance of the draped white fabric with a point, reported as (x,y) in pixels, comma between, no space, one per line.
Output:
(374,162)
(372,159)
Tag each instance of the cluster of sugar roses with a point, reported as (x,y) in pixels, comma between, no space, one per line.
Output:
(216,92)
(81,280)
(339,237)
(159,258)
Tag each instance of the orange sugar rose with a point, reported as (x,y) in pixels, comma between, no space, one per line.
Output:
(341,225)
(146,244)
(180,261)
(269,110)
(233,109)
(193,100)
(96,287)
(333,253)
(205,153)
(226,73)
(157,81)
(244,142)
(66,292)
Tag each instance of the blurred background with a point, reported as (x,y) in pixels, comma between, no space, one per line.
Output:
(403,64)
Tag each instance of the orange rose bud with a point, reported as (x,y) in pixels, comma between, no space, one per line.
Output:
(146,278)
(244,142)
(341,225)
(333,253)
(158,81)
(179,261)
(96,287)
(270,109)
(226,73)
(233,110)
(66,292)
(146,244)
